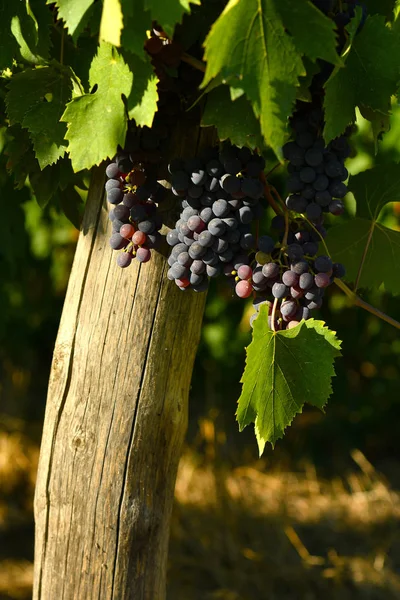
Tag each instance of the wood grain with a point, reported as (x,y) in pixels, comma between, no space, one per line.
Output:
(116,418)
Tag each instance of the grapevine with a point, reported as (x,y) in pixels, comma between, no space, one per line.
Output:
(265,208)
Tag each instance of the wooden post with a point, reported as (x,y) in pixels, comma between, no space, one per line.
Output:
(116,418)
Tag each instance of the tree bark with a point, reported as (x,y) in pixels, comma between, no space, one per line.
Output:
(116,418)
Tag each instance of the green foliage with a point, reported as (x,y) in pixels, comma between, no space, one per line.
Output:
(283,371)
(97,121)
(142,101)
(71,12)
(168,12)
(75,71)
(237,124)
(364,244)
(369,78)
(36,101)
(249,45)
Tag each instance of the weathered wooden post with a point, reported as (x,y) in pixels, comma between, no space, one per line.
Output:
(116,418)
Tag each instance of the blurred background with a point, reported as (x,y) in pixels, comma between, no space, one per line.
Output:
(316,517)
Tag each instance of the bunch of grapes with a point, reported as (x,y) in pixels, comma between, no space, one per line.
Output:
(290,272)
(316,172)
(220,197)
(134,218)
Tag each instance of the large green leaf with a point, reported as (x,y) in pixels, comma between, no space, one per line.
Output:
(234,120)
(370,77)
(283,371)
(168,12)
(36,99)
(142,101)
(97,122)
(250,45)
(364,240)
(71,11)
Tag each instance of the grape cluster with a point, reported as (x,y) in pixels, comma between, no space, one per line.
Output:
(134,218)
(316,172)
(290,272)
(220,196)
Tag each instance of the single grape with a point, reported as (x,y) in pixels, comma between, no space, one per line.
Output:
(184,259)
(115,196)
(338,270)
(196,250)
(117,242)
(217,227)
(322,280)
(292,324)
(139,238)
(112,170)
(127,230)
(288,309)
(270,270)
(243,289)
(111,184)
(172,237)
(306,280)
(124,259)
(279,290)
(290,278)
(245,215)
(323,264)
(146,226)
(143,255)
(221,208)
(299,267)
(230,183)
(197,267)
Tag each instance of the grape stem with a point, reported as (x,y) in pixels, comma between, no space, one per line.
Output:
(273,314)
(356,300)
(268,195)
(194,62)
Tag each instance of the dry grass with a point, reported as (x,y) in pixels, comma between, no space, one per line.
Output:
(245,533)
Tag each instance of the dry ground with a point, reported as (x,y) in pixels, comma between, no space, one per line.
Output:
(249,533)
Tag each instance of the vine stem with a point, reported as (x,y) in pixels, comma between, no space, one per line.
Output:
(194,62)
(356,300)
(268,195)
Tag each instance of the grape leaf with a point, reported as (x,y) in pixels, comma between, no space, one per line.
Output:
(71,11)
(234,120)
(97,122)
(370,77)
(142,101)
(137,21)
(249,44)
(283,371)
(111,22)
(36,99)
(168,12)
(348,242)
(8,46)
